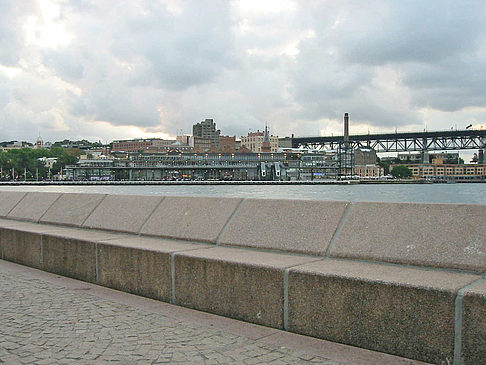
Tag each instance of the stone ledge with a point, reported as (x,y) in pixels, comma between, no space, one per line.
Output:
(474,325)
(33,206)
(406,310)
(123,213)
(435,235)
(139,265)
(300,226)
(197,218)
(8,200)
(236,283)
(250,285)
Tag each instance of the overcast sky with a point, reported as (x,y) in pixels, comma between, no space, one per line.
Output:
(111,69)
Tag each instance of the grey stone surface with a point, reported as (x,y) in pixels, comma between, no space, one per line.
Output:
(192,218)
(139,265)
(125,213)
(33,206)
(69,257)
(28,226)
(474,325)
(20,247)
(20,241)
(290,225)
(403,311)
(47,323)
(82,233)
(72,209)
(439,235)
(72,251)
(236,283)
(8,200)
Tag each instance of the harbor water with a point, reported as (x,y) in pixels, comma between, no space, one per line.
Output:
(472,193)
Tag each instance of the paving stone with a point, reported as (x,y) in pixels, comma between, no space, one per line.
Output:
(37,304)
(289,225)
(438,235)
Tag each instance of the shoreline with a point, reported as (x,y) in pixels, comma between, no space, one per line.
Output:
(303,182)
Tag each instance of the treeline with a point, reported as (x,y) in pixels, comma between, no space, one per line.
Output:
(24,163)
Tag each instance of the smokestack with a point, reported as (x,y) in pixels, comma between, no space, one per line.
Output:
(481,156)
(346,127)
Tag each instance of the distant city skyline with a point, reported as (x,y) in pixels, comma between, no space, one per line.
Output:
(103,70)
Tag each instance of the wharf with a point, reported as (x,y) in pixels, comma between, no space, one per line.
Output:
(214,182)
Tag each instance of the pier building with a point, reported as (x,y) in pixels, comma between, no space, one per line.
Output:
(207,166)
(452,172)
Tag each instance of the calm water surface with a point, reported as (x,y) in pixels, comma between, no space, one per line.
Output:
(428,193)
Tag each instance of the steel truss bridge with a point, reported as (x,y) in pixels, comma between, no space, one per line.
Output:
(400,142)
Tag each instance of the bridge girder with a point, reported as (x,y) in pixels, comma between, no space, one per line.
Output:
(401,142)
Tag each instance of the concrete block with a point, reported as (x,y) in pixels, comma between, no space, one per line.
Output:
(72,252)
(33,206)
(438,235)
(394,309)
(20,241)
(289,225)
(191,218)
(8,200)
(139,265)
(235,283)
(474,325)
(20,247)
(72,209)
(125,213)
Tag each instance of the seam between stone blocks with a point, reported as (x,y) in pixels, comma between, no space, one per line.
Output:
(458,317)
(96,262)
(286,292)
(41,258)
(50,206)
(226,225)
(173,270)
(150,216)
(15,206)
(339,228)
(172,278)
(92,210)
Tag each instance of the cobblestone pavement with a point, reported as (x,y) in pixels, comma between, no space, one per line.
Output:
(41,323)
(47,319)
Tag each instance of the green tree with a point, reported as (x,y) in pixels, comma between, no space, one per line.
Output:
(401,171)
(384,164)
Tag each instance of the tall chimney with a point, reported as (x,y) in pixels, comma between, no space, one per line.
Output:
(346,127)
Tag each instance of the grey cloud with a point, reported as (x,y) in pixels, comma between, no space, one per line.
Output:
(434,46)
(138,63)
(401,31)
(12,17)
(65,63)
